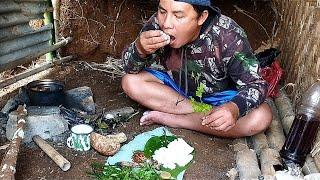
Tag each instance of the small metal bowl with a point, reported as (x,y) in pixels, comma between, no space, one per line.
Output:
(46,92)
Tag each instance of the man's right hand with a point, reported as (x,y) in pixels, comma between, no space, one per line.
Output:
(150,41)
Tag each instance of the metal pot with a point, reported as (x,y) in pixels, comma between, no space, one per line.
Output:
(46,92)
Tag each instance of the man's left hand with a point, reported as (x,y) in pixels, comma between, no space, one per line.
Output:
(222,118)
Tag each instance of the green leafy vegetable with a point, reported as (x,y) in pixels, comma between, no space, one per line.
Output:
(156,143)
(200,107)
(113,172)
(200,90)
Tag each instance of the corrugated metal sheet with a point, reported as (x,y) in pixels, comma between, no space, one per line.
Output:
(20,35)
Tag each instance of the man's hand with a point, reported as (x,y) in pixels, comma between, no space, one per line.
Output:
(222,118)
(150,41)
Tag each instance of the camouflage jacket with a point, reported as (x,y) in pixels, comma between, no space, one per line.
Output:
(219,59)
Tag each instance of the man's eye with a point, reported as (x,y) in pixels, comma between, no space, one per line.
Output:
(162,12)
(179,17)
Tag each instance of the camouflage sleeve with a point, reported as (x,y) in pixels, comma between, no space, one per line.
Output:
(243,68)
(132,62)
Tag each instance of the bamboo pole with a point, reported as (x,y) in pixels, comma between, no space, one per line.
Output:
(7,61)
(247,164)
(275,133)
(62,162)
(259,142)
(56,17)
(8,164)
(285,109)
(269,158)
(246,159)
(31,72)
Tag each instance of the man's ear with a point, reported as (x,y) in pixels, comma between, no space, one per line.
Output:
(203,17)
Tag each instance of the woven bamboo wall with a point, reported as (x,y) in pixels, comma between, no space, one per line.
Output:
(299,33)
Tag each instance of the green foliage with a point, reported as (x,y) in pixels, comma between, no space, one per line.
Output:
(200,90)
(113,172)
(200,107)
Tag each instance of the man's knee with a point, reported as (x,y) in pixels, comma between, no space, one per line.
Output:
(127,82)
(259,119)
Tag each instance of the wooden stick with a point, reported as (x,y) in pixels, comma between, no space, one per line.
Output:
(269,157)
(11,60)
(31,72)
(247,164)
(246,160)
(8,164)
(260,142)
(275,135)
(62,162)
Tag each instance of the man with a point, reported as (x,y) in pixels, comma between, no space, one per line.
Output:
(204,58)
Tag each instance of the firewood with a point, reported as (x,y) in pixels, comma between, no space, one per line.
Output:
(8,164)
(247,164)
(268,158)
(274,133)
(259,142)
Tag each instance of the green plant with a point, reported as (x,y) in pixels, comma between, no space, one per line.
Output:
(200,107)
(113,172)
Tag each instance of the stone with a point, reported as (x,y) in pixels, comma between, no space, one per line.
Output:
(13,103)
(44,121)
(80,98)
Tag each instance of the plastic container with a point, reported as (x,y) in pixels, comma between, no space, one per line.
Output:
(304,127)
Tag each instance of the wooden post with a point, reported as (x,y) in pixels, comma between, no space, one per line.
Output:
(31,72)
(8,164)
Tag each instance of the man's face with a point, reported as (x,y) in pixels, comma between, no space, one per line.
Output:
(179,20)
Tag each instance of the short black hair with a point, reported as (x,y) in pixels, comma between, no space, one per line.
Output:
(199,9)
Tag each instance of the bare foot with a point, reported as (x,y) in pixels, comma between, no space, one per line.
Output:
(154,117)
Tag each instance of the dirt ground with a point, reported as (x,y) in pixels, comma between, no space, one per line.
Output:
(214,156)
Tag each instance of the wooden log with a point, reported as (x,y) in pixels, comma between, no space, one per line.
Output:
(285,109)
(240,144)
(62,162)
(268,159)
(8,164)
(274,133)
(247,164)
(31,72)
(246,159)
(310,166)
(56,16)
(12,60)
(259,142)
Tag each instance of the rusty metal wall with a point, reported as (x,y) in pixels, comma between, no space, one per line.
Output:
(22,31)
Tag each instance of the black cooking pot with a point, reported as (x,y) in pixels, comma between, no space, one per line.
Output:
(46,92)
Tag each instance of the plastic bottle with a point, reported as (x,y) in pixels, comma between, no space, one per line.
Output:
(304,128)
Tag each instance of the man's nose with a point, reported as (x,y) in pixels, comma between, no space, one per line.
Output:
(167,24)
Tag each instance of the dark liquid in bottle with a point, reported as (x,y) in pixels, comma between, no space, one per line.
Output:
(300,139)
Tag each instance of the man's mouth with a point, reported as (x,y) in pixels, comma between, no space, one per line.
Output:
(172,38)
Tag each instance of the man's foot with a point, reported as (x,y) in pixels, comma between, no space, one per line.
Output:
(154,117)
